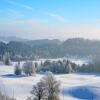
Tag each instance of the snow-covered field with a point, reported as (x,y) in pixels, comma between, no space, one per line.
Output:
(73,86)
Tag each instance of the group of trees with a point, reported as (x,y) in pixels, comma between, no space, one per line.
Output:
(28,68)
(95,67)
(66,66)
(46,89)
(58,67)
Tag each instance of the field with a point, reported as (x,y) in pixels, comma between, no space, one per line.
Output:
(73,86)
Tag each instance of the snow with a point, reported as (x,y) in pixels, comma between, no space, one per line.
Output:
(73,86)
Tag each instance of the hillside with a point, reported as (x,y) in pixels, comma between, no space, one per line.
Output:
(11,38)
(51,48)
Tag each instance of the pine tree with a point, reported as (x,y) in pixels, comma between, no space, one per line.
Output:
(68,67)
(18,70)
(6,59)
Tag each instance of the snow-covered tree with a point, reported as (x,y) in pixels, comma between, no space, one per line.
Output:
(6,59)
(52,86)
(46,89)
(68,67)
(28,68)
(18,69)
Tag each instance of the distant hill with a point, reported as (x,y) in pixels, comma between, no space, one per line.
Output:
(43,42)
(82,47)
(52,48)
(11,38)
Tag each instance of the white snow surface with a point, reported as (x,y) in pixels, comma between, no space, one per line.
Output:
(73,86)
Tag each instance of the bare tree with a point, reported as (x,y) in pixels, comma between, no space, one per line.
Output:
(39,91)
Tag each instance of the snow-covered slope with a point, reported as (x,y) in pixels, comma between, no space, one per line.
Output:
(73,86)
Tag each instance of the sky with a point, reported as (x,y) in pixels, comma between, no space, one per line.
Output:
(50,19)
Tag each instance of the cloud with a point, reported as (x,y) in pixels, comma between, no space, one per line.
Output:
(58,17)
(21,5)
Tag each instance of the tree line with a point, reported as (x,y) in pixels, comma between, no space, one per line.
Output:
(56,67)
(50,49)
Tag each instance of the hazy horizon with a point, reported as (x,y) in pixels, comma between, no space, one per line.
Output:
(50,19)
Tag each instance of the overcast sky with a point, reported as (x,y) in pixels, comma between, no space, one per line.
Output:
(39,19)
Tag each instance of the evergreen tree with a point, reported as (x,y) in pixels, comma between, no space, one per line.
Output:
(18,70)
(68,67)
(6,59)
